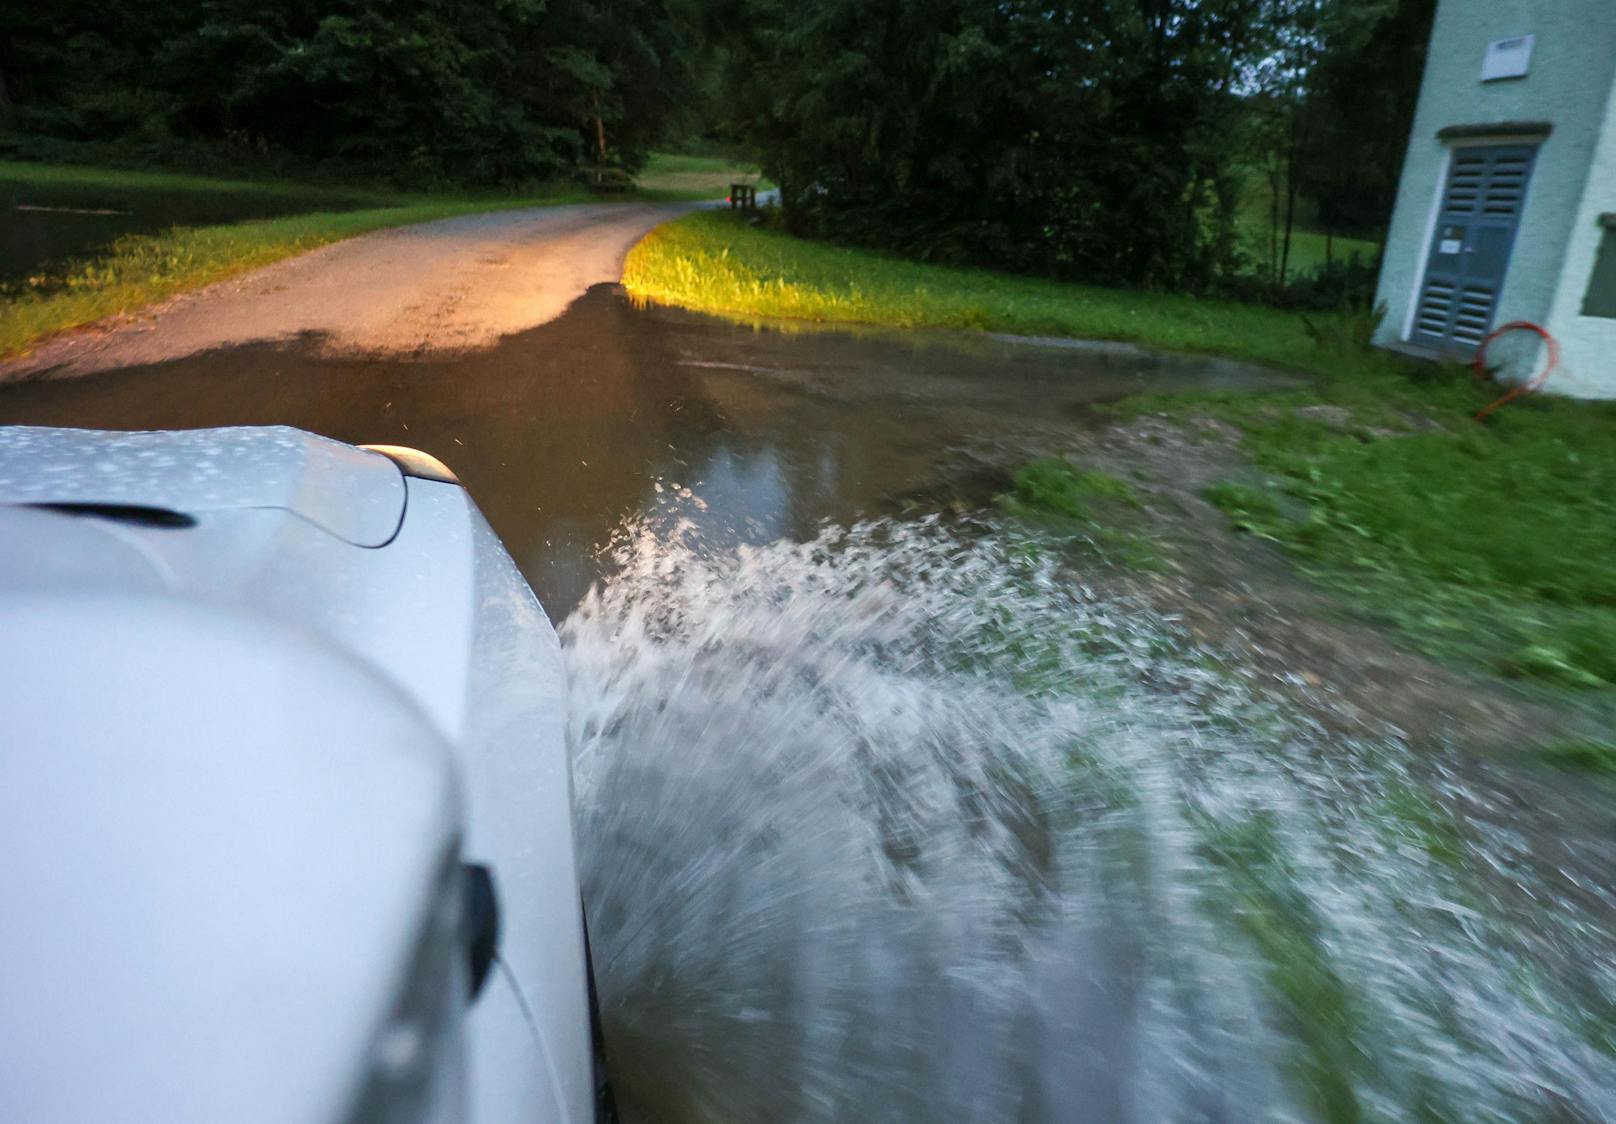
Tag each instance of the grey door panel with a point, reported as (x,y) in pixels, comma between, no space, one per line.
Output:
(1469,252)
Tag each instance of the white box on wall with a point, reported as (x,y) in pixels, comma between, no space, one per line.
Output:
(1507,58)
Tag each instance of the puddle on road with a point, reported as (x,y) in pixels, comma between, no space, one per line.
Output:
(884,817)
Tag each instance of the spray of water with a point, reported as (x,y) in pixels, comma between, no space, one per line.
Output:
(905,824)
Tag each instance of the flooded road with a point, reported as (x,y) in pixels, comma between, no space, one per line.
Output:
(885,814)
(567,432)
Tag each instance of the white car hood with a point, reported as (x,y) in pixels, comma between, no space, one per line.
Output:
(219,836)
(353,494)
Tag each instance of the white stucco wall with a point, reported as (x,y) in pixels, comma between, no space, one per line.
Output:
(1569,86)
(1587,343)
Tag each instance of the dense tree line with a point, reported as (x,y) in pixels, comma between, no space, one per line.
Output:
(1361,93)
(1329,109)
(476,91)
(1116,141)
(1105,140)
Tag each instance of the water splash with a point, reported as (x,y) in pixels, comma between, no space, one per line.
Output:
(905,824)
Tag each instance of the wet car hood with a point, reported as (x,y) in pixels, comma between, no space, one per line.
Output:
(222,837)
(356,495)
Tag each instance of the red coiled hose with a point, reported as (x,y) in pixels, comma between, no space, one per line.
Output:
(1479,366)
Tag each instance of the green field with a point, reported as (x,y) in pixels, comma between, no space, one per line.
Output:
(1308,249)
(694,177)
(79,178)
(1308,245)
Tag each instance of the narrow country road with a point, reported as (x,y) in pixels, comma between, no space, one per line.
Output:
(433,289)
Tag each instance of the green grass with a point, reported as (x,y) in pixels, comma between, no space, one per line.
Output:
(694,177)
(1059,487)
(714,262)
(77,178)
(1308,251)
(1489,543)
(1311,999)
(1582,756)
(1093,505)
(142,269)
(1307,244)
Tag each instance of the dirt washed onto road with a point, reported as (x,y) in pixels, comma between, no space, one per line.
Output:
(428,290)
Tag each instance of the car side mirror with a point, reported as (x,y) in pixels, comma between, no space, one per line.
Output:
(479,923)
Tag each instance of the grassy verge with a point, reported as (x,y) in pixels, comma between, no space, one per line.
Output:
(1097,508)
(141,269)
(716,263)
(1492,544)
(80,179)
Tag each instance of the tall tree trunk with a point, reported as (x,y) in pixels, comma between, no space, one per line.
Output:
(1292,159)
(5,98)
(1273,221)
(600,135)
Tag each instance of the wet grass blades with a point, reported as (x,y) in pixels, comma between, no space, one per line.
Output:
(1313,1002)
(1492,544)
(1594,757)
(1057,486)
(1084,506)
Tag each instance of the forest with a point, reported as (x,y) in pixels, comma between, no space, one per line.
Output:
(1125,142)
(416,92)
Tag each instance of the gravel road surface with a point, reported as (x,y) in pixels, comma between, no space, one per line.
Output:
(439,288)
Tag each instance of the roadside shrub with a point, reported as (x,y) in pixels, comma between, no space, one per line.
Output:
(1347,285)
(1348,331)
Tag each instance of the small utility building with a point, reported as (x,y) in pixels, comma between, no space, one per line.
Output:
(1507,205)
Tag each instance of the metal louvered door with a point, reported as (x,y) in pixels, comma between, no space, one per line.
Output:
(1464,271)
